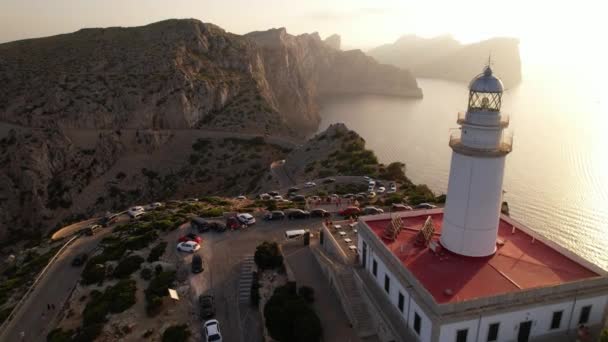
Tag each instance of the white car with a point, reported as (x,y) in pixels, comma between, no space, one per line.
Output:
(246,218)
(278,198)
(211,329)
(310,184)
(371,183)
(241,197)
(156,205)
(393,187)
(370,189)
(381,189)
(391,191)
(188,246)
(136,211)
(265,197)
(367,178)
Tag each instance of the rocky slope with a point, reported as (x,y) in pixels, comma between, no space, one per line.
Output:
(101,119)
(445,58)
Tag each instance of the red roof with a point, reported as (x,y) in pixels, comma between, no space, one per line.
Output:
(518,264)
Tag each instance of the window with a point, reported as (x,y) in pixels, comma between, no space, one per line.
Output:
(493,332)
(387,284)
(401,302)
(375,268)
(584,317)
(417,323)
(556,321)
(461,335)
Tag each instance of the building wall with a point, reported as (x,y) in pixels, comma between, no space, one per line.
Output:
(540,316)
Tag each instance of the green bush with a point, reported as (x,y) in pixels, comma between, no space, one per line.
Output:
(268,256)
(419,194)
(88,333)
(127,266)
(157,251)
(146,273)
(59,335)
(94,271)
(141,241)
(307,293)
(157,289)
(290,318)
(212,212)
(114,299)
(176,333)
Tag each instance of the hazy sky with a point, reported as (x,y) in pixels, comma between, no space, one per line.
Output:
(542,26)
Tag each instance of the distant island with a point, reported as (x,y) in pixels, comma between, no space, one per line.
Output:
(443,57)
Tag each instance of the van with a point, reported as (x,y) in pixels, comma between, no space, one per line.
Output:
(293,234)
(197,264)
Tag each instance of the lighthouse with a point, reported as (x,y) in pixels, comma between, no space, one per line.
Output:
(479,149)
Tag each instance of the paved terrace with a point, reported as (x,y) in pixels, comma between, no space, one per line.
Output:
(520,263)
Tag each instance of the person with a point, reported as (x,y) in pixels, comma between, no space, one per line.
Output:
(22,335)
(48,306)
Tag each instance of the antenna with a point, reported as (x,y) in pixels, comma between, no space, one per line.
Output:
(490,58)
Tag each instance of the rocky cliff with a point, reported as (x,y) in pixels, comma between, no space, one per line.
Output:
(101,119)
(444,57)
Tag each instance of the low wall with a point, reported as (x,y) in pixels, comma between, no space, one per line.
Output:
(332,247)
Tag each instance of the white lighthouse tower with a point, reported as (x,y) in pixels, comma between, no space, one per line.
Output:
(474,198)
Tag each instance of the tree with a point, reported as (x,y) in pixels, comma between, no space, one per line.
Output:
(176,333)
(604,336)
(290,318)
(268,256)
(396,171)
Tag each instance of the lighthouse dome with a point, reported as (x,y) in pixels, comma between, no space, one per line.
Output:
(486,82)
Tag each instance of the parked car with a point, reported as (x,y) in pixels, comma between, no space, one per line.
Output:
(334,196)
(329,180)
(293,189)
(206,304)
(80,259)
(246,218)
(349,211)
(274,215)
(233,223)
(192,200)
(371,195)
(367,178)
(425,206)
(318,212)
(278,198)
(370,189)
(241,197)
(188,246)
(199,224)
(190,237)
(90,231)
(297,214)
(348,196)
(298,198)
(197,264)
(211,330)
(310,184)
(217,226)
(400,207)
(108,220)
(156,205)
(273,193)
(265,197)
(372,211)
(392,187)
(134,211)
(381,190)
(371,183)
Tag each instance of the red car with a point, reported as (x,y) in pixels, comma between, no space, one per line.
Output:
(350,211)
(233,223)
(191,237)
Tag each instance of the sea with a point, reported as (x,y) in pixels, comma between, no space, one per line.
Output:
(556,178)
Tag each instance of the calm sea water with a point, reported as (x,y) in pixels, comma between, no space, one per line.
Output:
(556,178)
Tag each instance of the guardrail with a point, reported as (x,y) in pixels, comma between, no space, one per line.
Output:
(25,296)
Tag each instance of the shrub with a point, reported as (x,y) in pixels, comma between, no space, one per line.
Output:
(395,171)
(290,318)
(157,289)
(59,335)
(268,256)
(157,251)
(141,241)
(127,266)
(115,299)
(176,333)
(94,271)
(212,212)
(307,293)
(146,273)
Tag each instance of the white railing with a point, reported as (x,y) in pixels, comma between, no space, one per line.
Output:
(503,120)
(504,146)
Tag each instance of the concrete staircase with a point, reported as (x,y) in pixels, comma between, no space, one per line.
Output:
(349,293)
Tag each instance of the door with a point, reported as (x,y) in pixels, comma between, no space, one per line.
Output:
(524,331)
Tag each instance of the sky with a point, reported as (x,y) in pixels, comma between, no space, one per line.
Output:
(543,27)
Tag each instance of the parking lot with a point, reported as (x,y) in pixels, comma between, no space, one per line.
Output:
(224,254)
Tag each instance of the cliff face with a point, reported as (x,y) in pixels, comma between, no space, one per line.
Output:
(314,68)
(101,119)
(445,58)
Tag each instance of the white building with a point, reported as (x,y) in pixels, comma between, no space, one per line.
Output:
(478,275)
